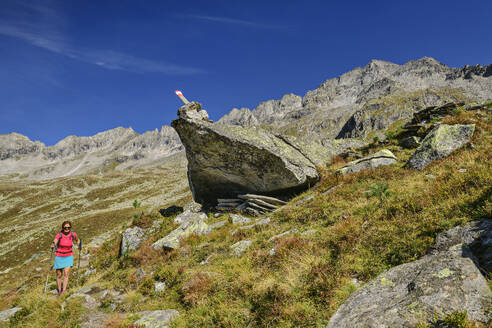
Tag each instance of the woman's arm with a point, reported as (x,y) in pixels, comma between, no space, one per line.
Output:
(55,241)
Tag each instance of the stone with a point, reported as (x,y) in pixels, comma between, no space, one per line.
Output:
(462,170)
(282,234)
(251,226)
(159,286)
(94,319)
(382,157)
(240,247)
(171,210)
(332,189)
(309,232)
(6,314)
(441,141)
(172,240)
(239,219)
(219,224)
(444,281)
(156,319)
(193,207)
(410,142)
(189,215)
(88,302)
(226,160)
(131,239)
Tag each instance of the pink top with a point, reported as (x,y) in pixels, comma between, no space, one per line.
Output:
(65,245)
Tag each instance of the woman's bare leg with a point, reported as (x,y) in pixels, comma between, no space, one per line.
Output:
(66,272)
(59,279)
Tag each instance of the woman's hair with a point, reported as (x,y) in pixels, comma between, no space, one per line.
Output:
(65,222)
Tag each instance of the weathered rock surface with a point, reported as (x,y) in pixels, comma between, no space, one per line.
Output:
(444,281)
(131,239)
(440,142)
(240,247)
(224,160)
(156,319)
(382,157)
(189,215)
(6,314)
(187,228)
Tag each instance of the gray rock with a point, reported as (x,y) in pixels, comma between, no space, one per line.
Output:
(239,219)
(382,157)
(156,319)
(226,160)
(159,286)
(6,314)
(94,319)
(193,207)
(283,234)
(219,224)
(131,239)
(189,215)
(444,281)
(440,142)
(173,239)
(309,232)
(240,247)
(88,301)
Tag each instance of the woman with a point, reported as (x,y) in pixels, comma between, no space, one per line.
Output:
(64,255)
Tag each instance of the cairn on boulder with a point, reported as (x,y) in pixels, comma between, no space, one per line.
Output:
(224,160)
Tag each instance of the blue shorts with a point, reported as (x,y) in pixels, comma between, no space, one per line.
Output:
(63,262)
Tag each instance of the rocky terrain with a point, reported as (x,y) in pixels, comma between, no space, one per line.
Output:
(384,218)
(367,99)
(119,149)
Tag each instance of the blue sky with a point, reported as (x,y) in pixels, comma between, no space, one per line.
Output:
(82,67)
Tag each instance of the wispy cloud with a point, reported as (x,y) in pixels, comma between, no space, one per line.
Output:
(41,26)
(228,20)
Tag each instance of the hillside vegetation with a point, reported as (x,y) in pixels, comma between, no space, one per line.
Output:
(370,221)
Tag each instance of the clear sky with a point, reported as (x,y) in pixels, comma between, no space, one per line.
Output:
(80,67)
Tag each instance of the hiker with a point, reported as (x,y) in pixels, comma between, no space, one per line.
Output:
(64,255)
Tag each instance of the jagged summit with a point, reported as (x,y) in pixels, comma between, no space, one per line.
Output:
(323,112)
(120,147)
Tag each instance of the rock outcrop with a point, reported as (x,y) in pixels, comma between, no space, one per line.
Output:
(382,157)
(441,141)
(191,226)
(224,160)
(446,280)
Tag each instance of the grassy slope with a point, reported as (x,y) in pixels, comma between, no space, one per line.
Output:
(32,212)
(376,220)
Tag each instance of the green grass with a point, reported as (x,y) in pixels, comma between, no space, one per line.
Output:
(376,220)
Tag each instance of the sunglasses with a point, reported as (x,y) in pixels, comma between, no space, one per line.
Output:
(67,228)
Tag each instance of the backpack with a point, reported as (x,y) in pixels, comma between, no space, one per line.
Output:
(59,239)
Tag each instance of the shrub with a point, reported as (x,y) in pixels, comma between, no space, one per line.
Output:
(196,289)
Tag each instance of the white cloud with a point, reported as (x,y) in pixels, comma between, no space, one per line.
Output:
(41,26)
(235,21)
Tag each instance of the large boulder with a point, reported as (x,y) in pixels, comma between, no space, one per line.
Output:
(440,142)
(446,280)
(187,228)
(225,160)
(382,157)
